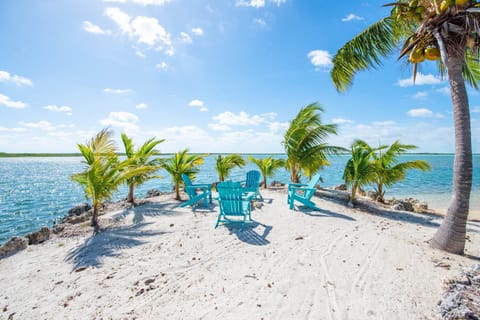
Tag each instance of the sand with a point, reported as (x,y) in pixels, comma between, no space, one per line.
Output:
(159,261)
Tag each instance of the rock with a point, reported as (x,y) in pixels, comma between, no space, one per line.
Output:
(74,219)
(12,246)
(39,236)
(153,193)
(461,299)
(79,209)
(420,207)
(372,195)
(398,206)
(341,187)
(276,183)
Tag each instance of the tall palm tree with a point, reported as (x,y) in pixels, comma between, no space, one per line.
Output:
(389,170)
(305,142)
(225,164)
(103,173)
(449,32)
(141,158)
(267,166)
(359,170)
(182,163)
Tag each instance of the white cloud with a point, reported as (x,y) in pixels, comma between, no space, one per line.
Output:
(342,121)
(218,127)
(18,80)
(351,17)
(475,110)
(149,31)
(278,127)
(445,90)
(4,129)
(118,1)
(170,52)
(117,91)
(124,120)
(7,102)
(140,54)
(162,66)
(423,113)
(120,18)
(185,37)
(321,59)
(243,118)
(198,104)
(420,95)
(260,22)
(151,2)
(421,79)
(141,106)
(250,3)
(41,125)
(279,2)
(54,108)
(197,31)
(92,28)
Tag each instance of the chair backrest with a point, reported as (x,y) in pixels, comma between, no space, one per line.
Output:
(313,182)
(189,191)
(230,197)
(186,179)
(252,179)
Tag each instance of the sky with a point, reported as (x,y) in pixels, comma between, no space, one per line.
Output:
(208,75)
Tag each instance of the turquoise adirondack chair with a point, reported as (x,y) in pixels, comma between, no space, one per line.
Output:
(252,183)
(233,203)
(303,193)
(196,193)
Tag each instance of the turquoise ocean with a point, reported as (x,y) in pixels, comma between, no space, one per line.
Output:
(35,192)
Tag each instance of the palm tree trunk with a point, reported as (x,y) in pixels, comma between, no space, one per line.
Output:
(265,182)
(451,234)
(380,193)
(354,192)
(94,222)
(130,197)
(177,191)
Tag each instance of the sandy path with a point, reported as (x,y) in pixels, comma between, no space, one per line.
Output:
(337,263)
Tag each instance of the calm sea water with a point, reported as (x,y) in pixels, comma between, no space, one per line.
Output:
(34,192)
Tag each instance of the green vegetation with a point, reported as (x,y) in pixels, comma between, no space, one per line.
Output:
(359,169)
(267,166)
(305,142)
(225,164)
(140,158)
(446,33)
(182,163)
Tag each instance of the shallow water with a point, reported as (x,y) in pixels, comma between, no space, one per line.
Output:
(37,191)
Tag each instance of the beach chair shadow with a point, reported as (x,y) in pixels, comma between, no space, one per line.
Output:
(151,209)
(249,234)
(108,243)
(324,213)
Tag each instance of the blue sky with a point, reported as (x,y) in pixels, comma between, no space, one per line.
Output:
(213,76)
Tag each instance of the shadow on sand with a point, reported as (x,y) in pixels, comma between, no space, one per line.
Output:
(249,234)
(323,213)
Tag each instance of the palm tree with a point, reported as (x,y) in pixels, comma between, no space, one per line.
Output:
(359,170)
(140,158)
(305,142)
(388,169)
(103,173)
(226,163)
(267,166)
(182,163)
(449,32)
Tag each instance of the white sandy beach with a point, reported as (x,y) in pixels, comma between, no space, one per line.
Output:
(159,261)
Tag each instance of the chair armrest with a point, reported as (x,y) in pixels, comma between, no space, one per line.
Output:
(296,185)
(302,188)
(201,186)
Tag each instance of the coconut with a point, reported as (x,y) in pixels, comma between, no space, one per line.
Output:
(416,56)
(432,53)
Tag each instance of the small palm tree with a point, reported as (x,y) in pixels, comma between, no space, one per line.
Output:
(226,163)
(182,163)
(359,170)
(140,158)
(103,173)
(305,142)
(267,166)
(389,170)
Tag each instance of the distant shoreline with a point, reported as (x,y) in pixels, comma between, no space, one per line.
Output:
(65,155)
